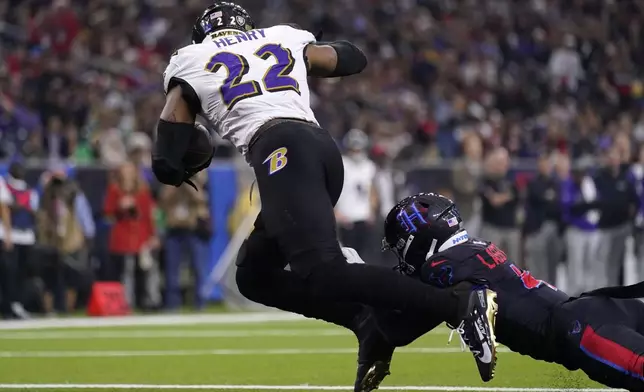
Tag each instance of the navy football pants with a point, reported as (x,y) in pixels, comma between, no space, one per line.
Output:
(605,338)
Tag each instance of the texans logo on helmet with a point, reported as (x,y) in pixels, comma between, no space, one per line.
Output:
(407,219)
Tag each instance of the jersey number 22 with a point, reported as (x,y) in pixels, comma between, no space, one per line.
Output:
(275,79)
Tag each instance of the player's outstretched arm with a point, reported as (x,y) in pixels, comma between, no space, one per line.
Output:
(174,132)
(334,59)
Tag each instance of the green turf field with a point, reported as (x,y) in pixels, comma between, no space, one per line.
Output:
(238,355)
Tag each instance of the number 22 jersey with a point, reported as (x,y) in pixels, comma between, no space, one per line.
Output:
(244,79)
(524,321)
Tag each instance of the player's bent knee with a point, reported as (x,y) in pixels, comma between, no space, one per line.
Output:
(249,283)
(247,279)
(242,255)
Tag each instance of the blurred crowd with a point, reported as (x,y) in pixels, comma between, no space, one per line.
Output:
(55,246)
(475,83)
(80,79)
(585,216)
(579,227)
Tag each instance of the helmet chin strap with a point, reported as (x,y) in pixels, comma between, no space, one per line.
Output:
(456,239)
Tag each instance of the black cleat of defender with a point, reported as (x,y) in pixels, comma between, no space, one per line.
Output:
(374,355)
(370,376)
(477,330)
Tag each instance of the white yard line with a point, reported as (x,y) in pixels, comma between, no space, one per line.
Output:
(172,334)
(181,334)
(291,388)
(215,352)
(87,322)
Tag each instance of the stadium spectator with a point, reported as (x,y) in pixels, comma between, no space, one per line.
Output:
(637,176)
(139,146)
(618,206)
(466,177)
(6,285)
(56,144)
(65,227)
(543,246)
(356,209)
(579,214)
(499,208)
(386,182)
(109,141)
(187,229)
(18,235)
(565,67)
(129,207)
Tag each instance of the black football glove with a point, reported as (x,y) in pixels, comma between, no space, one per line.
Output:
(168,174)
(170,170)
(191,172)
(166,171)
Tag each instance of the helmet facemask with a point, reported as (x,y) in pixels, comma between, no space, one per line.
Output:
(399,250)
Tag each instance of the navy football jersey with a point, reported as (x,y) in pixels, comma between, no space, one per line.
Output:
(525,303)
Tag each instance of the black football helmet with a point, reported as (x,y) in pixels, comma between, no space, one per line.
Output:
(418,226)
(220,16)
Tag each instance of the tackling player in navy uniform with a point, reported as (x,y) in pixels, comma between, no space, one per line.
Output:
(600,332)
(251,85)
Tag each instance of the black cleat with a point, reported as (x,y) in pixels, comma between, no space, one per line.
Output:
(370,376)
(374,356)
(477,330)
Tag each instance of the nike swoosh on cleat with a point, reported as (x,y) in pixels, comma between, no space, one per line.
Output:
(487,355)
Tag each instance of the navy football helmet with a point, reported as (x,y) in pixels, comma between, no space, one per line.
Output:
(418,226)
(220,16)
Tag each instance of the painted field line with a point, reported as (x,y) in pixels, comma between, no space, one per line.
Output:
(290,388)
(181,334)
(216,352)
(128,321)
(172,334)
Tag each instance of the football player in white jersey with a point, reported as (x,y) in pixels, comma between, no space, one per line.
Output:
(251,84)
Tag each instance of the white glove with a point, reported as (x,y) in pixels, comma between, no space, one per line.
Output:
(352,256)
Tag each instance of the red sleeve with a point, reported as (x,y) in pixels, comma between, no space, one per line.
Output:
(110,204)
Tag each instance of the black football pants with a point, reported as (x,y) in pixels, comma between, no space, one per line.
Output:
(604,337)
(300,175)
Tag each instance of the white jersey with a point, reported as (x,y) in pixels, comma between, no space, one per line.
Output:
(244,79)
(355,199)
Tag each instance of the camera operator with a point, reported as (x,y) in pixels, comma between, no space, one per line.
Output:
(19,203)
(64,226)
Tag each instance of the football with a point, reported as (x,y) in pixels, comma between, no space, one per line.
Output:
(200,149)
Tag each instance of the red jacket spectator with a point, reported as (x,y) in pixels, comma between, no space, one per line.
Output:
(129,205)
